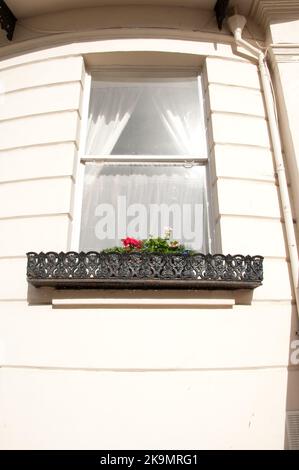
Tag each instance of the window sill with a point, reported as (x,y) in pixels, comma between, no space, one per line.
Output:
(141,302)
(143,271)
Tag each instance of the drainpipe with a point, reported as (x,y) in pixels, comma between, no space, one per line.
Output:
(236,24)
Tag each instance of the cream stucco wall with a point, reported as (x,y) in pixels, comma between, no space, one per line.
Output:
(142,377)
(285,68)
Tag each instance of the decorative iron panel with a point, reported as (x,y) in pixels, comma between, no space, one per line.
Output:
(92,269)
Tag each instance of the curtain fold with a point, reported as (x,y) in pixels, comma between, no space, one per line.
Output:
(109,112)
(180,114)
(146,117)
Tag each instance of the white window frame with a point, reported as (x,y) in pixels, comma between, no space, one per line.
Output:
(82,159)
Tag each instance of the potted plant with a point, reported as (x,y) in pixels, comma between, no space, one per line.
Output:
(162,245)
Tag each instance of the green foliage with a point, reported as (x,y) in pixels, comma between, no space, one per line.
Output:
(161,245)
(152,245)
(118,249)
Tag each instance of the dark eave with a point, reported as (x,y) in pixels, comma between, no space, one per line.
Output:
(7,20)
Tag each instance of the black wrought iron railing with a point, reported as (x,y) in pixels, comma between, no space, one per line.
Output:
(144,270)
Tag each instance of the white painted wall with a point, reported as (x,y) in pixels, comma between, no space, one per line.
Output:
(145,377)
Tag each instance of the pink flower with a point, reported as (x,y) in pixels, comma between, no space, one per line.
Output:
(132,243)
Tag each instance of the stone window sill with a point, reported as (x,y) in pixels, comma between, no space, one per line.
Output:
(141,302)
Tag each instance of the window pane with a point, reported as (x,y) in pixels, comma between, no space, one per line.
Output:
(146,117)
(137,200)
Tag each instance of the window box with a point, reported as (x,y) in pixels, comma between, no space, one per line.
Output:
(144,270)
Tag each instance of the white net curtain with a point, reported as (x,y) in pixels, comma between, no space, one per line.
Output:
(139,200)
(146,117)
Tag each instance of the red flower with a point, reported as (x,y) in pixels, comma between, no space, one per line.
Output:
(132,242)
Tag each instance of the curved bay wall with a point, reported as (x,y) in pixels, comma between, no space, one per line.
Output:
(143,377)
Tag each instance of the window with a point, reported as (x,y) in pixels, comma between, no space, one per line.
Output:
(143,167)
(145,161)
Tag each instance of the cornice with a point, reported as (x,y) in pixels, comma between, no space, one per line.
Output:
(266,11)
(69,41)
(280,54)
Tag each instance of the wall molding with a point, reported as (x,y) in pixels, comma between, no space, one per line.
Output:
(197,43)
(266,11)
(283,54)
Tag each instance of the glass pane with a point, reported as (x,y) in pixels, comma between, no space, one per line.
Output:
(138,200)
(146,117)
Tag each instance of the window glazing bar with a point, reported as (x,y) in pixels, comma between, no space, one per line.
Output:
(146,160)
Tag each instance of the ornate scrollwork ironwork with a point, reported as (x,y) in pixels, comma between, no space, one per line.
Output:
(95,269)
